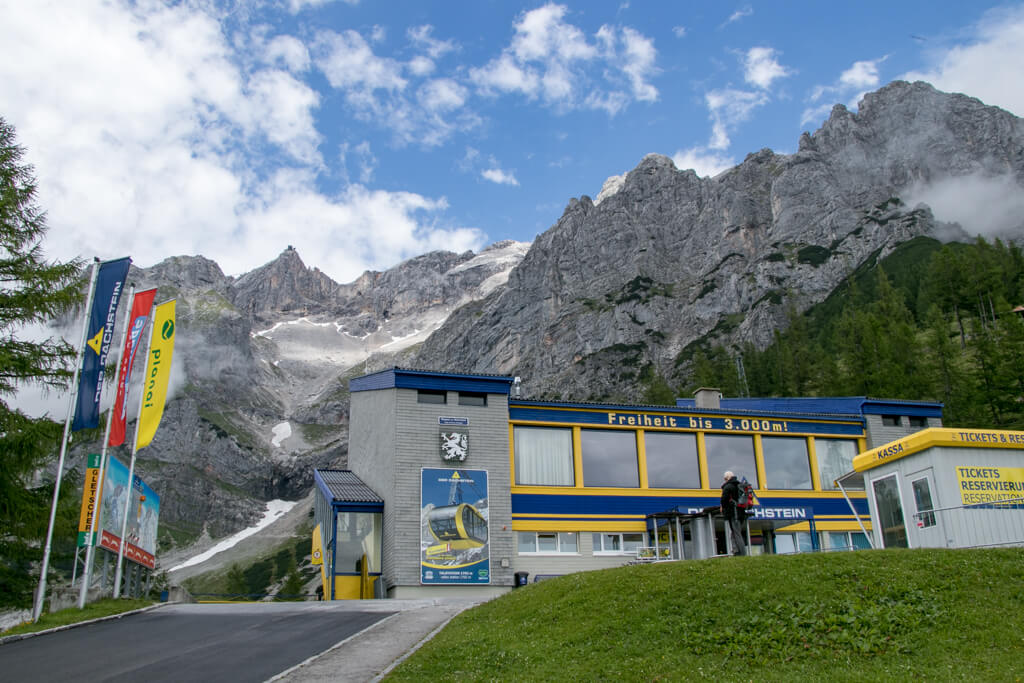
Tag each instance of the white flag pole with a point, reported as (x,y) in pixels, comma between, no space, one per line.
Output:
(37,607)
(91,537)
(131,468)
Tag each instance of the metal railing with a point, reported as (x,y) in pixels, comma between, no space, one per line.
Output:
(972,526)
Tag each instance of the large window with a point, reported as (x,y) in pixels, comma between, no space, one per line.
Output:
(609,458)
(728,453)
(835,458)
(796,542)
(359,535)
(847,540)
(672,460)
(543,456)
(548,542)
(618,544)
(786,465)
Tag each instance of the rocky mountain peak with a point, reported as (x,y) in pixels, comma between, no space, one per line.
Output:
(665,258)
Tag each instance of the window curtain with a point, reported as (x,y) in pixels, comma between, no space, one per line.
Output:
(543,456)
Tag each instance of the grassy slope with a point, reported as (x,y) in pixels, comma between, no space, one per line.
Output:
(871,615)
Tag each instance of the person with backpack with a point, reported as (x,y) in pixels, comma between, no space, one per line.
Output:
(734,515)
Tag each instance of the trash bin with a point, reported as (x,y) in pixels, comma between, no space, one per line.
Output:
(165,596)
(521,578)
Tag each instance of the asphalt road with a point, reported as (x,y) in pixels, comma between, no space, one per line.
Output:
(248,642)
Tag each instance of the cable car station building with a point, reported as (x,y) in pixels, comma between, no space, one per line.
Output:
(456,487)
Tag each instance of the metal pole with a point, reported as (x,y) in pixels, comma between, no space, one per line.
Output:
(131,472)
(855,515)
(91,536)
(37,607)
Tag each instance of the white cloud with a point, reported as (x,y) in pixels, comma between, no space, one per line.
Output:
(421,37)
(297,6)
(729,107)
(496,175)
(982,205)
(554,61)
(989,66)
(287,51)
(442,94)
(375,91)
(362,156)
(761,68)
(288,117)
(851,85)
(862,75)
(149,137)
(503,74)
(348,62)
(705,163)
(638,64)
(740,13)
(679,31)
(816,114)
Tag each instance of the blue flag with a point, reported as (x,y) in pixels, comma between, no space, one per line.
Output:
(99,340)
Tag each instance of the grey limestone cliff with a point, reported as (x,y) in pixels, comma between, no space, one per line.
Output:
(667,258)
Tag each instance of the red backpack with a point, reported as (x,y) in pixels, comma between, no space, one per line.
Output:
(746,499)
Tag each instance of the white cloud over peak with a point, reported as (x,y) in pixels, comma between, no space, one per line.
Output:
(761,68)
(853,82)
(704,163)
(862,75)
(988,67)
(730,107)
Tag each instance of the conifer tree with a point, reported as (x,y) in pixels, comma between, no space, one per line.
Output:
(33,290)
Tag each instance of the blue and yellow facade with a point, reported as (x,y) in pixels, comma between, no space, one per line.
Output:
(575,486)
(580,507)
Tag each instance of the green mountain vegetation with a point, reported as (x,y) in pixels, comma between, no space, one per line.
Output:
(927,322)
(933,615)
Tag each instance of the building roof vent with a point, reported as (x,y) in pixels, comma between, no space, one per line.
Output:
(708,398)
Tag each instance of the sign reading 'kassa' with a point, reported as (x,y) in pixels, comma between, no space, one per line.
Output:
(990,484)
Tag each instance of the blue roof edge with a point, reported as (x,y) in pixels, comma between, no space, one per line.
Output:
(407,378)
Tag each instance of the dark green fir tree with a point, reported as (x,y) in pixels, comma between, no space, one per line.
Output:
(33,290)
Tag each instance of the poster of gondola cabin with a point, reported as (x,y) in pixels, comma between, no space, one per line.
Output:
(453,526)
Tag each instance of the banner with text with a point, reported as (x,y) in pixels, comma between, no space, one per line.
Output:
(158,373)
(99,337)
(990,484)
(454,545)
(89,500)
(142,305)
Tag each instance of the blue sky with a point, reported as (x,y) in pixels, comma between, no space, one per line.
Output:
(364,133)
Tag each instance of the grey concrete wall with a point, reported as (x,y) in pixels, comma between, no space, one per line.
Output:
(371,455)
(417,445)
(879,434)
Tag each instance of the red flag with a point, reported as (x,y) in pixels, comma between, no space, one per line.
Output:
(141,306)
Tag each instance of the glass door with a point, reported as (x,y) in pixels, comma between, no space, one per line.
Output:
(889,508)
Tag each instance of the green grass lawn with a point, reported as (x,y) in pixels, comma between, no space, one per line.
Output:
(73,615)
(929,615)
